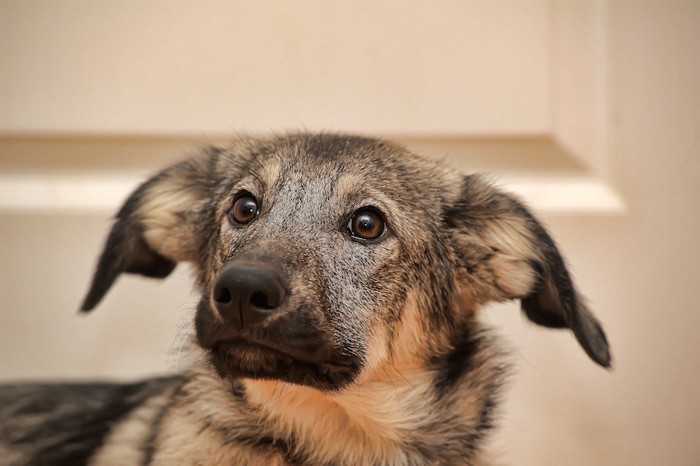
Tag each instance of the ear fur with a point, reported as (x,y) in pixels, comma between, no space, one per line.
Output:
(508,254)
(156,227)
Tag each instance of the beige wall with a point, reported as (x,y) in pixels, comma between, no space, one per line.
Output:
(639,269)
(213,66)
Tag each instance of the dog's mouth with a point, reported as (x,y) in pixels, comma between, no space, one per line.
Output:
(318,368)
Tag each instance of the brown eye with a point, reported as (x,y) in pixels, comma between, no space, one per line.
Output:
(366,224)
(245,209)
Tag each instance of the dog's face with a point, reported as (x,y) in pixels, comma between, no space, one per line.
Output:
(321,257)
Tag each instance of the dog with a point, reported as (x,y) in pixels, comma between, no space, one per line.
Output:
(341,281)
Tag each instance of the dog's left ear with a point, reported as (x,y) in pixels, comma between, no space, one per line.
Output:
(508,254)
(156,227)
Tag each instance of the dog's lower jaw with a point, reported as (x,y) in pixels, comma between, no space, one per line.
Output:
(236,361)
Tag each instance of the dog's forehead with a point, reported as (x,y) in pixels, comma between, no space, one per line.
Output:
(342,166)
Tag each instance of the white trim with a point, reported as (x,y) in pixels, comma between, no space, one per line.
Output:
(568,196)
(100,193)
(64,193)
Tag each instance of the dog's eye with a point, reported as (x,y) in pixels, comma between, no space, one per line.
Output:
(245,209)
(366,224)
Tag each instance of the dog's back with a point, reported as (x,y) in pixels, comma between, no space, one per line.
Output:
(64,424)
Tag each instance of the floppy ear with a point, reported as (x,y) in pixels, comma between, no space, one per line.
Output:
(508,254)
(157,226)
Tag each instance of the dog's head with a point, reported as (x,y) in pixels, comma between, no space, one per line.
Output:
(321,257)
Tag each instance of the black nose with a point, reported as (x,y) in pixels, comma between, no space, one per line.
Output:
(247,292)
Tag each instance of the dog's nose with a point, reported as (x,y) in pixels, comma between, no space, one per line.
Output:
(247,292)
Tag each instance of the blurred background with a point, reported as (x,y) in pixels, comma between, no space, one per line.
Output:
(590,110)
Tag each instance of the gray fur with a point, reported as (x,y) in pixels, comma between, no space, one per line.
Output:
(376,355)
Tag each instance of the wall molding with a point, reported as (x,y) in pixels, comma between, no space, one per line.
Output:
(93,175)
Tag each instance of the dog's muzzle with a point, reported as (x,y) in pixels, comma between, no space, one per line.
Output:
(252,326)
(246,293)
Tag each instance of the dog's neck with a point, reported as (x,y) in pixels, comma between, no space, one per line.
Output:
(376,407)
(379,417)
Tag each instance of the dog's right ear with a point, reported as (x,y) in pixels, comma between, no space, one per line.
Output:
(508,254)
(157,226)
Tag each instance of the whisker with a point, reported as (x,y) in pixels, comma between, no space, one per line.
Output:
(396,391)
(274,408)
(272,395)
(189,281)
(413,387)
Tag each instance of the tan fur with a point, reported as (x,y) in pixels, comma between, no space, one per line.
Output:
(163,226)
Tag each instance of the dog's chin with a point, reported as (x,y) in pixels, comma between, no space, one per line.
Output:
(238,358)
